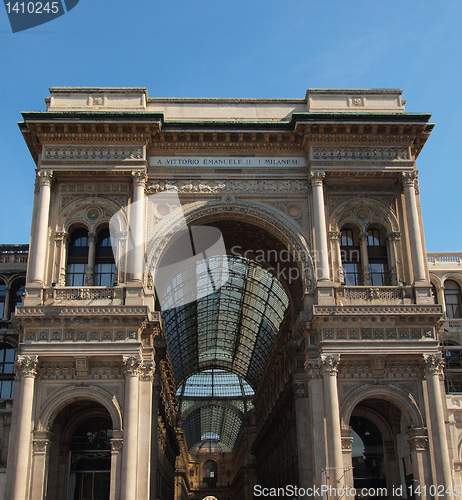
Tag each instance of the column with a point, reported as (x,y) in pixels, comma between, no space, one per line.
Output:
(90,274)
(25,369)
(319,222)
(365,259)
(130,448)
(60,262)
(415,237)
(137,226)
(156,387)
(335,472)
(302,417)
(318,438)
(442,467)
(144,434)
(36,271)
(334,237)
(418,442)
(6,304)
(391,238)
(41,447)
(116,464)
(347,449)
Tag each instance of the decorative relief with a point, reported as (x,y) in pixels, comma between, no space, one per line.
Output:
(379,367)
(372,334)
(146,371)
(229,186)
(300,389)
(92,153)
(409,178)
(70,293)
(41,446)
(361,153)
(357,102)
(370,294)
(139,177)
(347,443)
(423,310)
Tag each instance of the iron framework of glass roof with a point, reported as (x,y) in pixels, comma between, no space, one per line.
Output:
(219,346)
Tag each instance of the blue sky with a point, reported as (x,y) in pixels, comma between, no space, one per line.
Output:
(243,49)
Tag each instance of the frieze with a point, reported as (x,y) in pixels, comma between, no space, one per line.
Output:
(361,154)
(91,153)
(229,186)
(377,333)
(379,367)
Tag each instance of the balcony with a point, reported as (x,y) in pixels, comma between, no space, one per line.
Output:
(366,295)
(13,256)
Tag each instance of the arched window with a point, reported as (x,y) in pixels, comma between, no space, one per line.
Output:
(434,294)
(210,474)
(7,359)
(16,292)
(104,260)
(77,258)
(351,259)
(452,299)
(2,300)
(378,258)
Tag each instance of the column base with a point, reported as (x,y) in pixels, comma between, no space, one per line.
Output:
(423,292)
(134,293)
(34,294)
(324,293)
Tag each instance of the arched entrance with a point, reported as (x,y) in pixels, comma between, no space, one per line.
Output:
(80,455)
(90,459)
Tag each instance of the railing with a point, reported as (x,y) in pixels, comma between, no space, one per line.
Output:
(367,294)
(84,293)
(445,258)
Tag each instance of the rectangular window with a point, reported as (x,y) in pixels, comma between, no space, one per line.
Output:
(377,271)
(6,389)
(75,275)
(104,274)
(350,273)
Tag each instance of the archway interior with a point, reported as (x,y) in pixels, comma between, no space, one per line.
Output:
(219,346)
(367,454)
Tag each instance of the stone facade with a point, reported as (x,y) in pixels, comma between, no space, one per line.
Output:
(319,198)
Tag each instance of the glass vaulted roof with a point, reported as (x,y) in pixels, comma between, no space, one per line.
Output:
(219,346)
(231,328)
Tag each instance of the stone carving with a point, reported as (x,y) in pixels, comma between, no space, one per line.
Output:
(132,365)
(316,178)
(361,153)
(25,366)
(139,177)
(329,364)
(409,179)
(146,371)
(117,445)
(357,101)
(433,363)
(228,186)
(44,177)
(92,153)
(41,446)
(300,389)
(347,443)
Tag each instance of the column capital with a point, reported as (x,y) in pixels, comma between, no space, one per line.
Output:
(300,388)
(334,235)
(433,363)
(139,177)
(41,442)
(409,178)
(26,366)
(418,438)
(146,370)
(317,177)
(131,366)
(44,177)
(116,445)
(313,369)
(347,443)
(328,363)
(394,236)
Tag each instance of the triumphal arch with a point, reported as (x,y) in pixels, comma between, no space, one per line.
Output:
(314,363)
